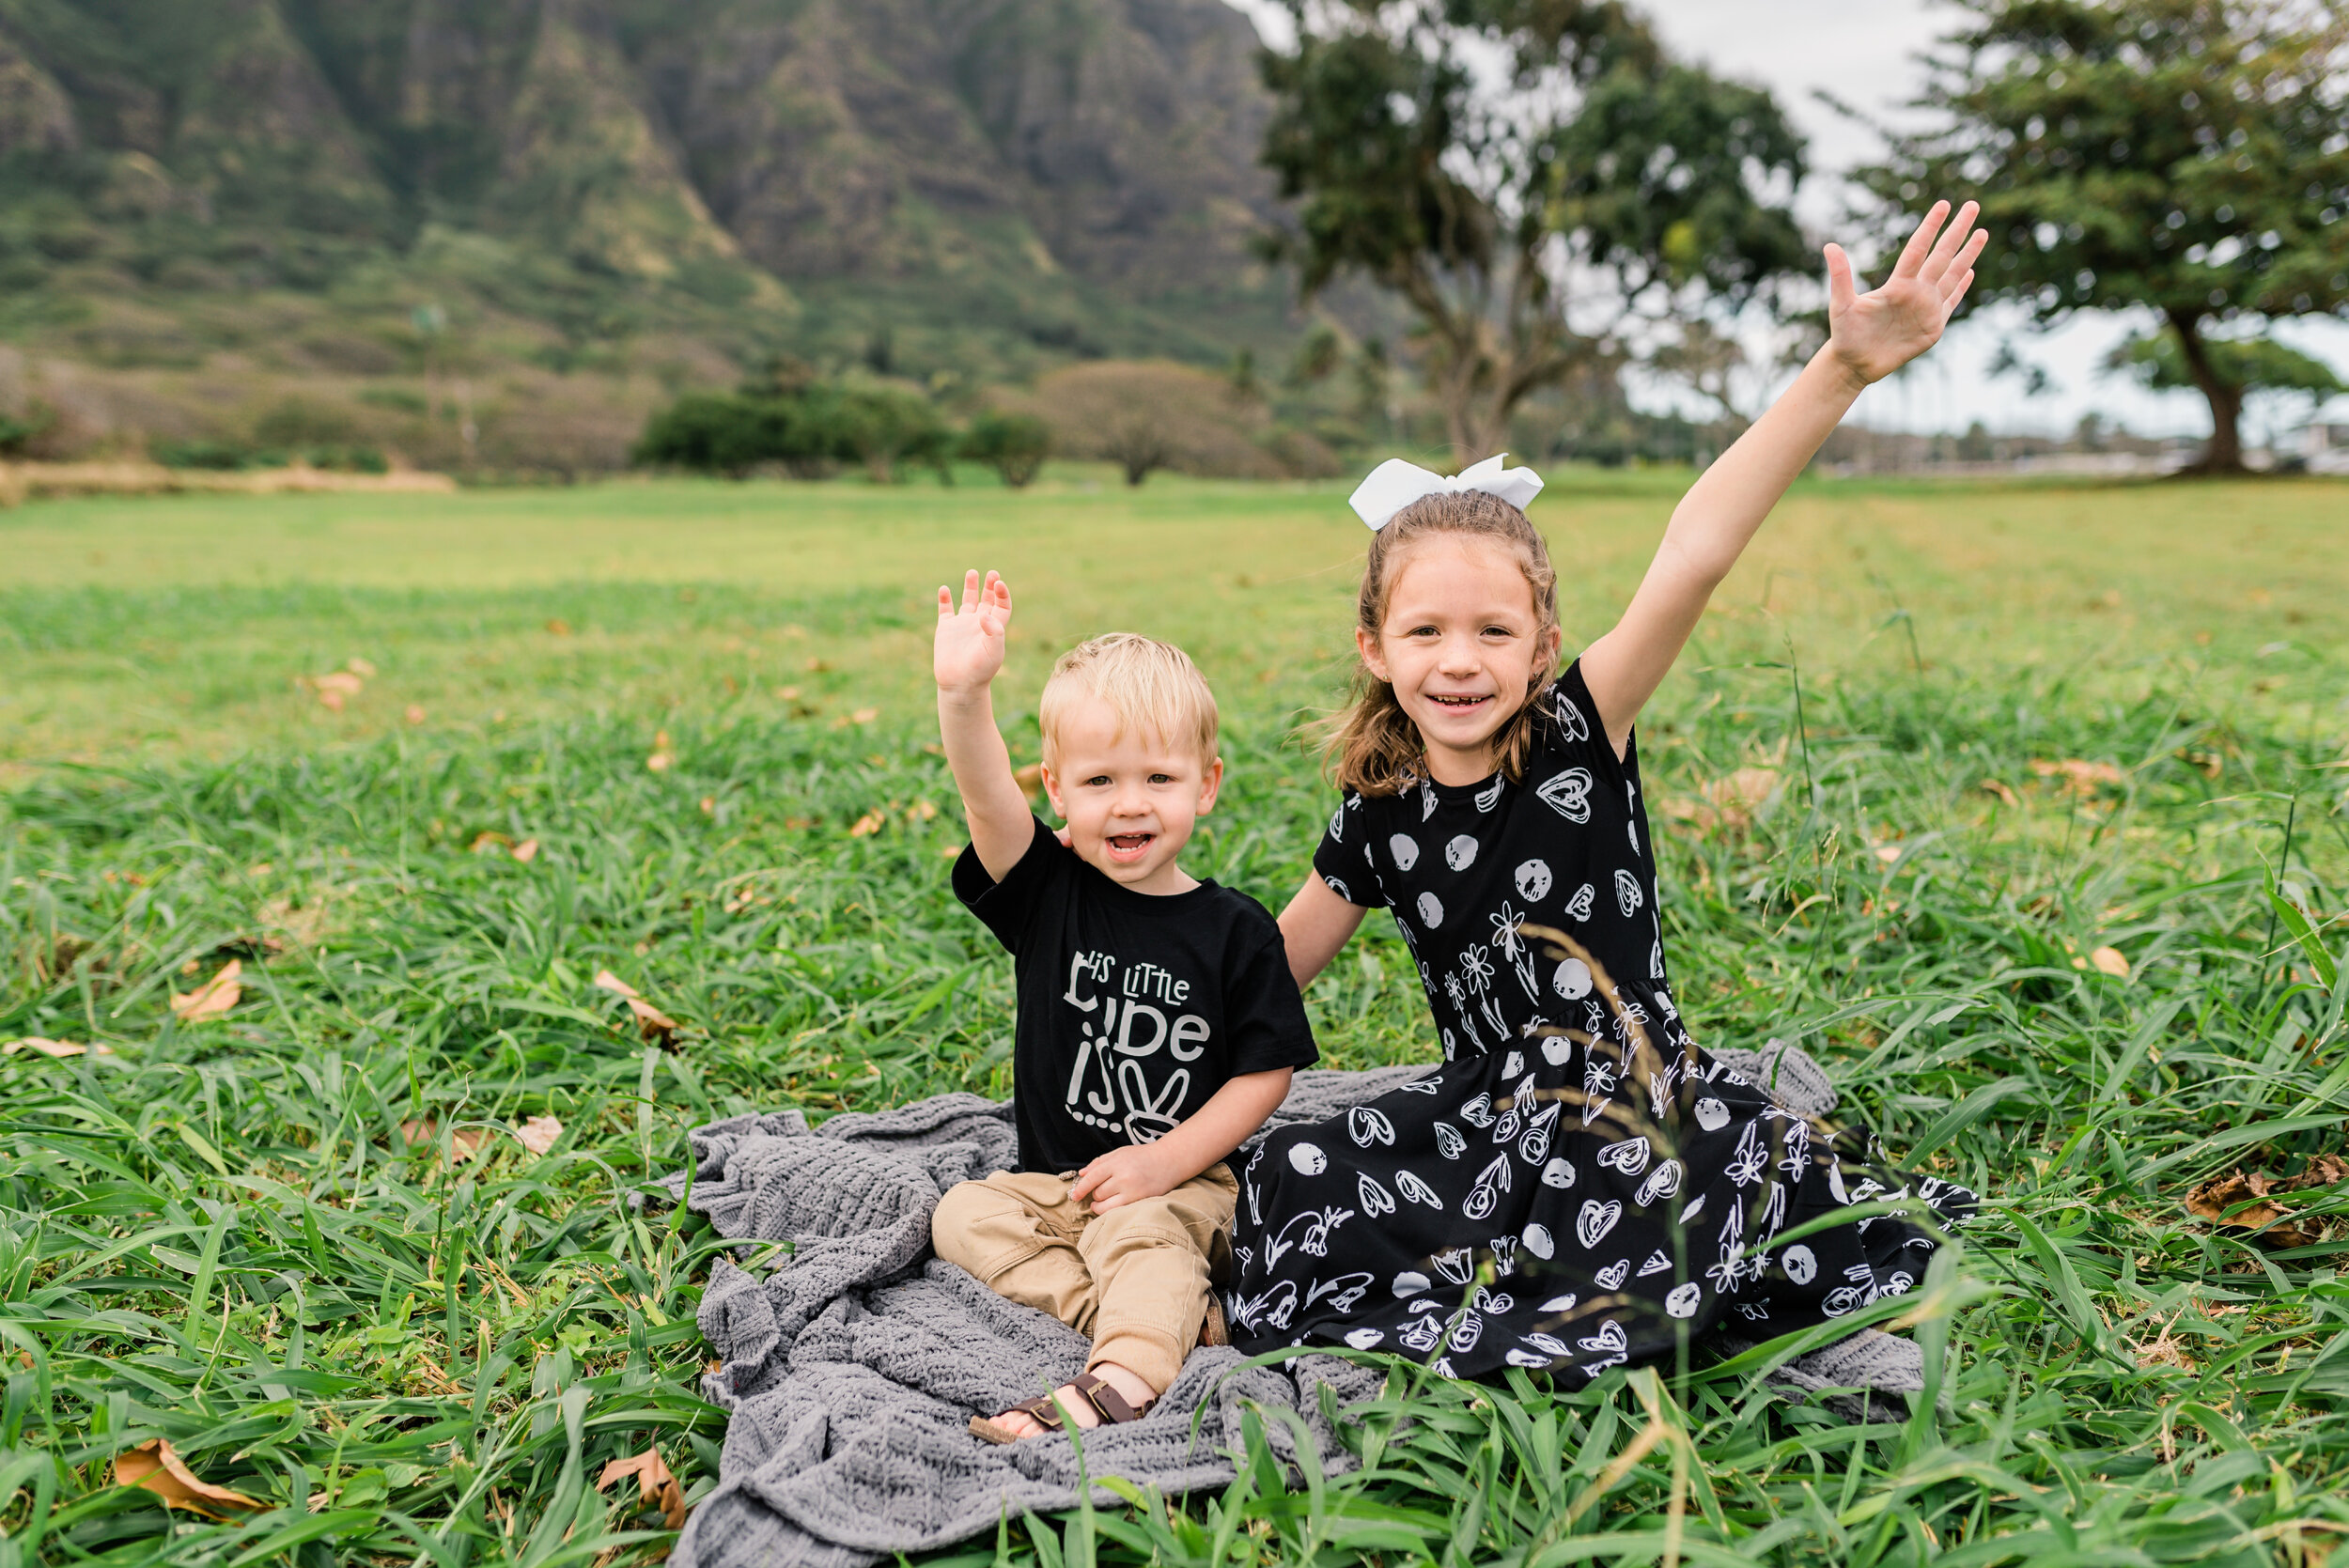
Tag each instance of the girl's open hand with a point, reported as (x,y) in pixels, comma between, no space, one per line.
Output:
(1875,333)
(970,647)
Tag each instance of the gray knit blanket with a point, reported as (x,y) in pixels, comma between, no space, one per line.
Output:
(853,1364)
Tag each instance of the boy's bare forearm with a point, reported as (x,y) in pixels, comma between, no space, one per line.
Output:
(1230,1115)
(993,805)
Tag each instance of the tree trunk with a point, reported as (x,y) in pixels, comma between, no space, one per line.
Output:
(2225,455)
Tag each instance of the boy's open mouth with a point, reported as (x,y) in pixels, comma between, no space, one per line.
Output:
(1128,846)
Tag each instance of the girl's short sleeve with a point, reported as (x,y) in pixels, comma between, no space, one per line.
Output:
(1344,860)
(1566,724)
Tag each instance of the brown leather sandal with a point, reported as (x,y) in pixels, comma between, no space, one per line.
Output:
(1106,1403)
(1215,1330)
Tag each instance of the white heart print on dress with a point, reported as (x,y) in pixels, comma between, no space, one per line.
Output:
(1663,1182)
(1596,1220)
(1579,906)
(1568,794)
(1477,1111)
(1573,979)
(1460,852)
(1534,880)
(1449,1142)
(1538,1242)
(1683,1300)
(1627,891)
(1375,1199)
(1404,851)
(1308,1158)
(1614,1274)
(1570,719)
(1712,1115)
(1430,911)
(1366,1126)
(1417,1191)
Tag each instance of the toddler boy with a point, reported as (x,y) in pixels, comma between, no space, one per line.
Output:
(1158,1020)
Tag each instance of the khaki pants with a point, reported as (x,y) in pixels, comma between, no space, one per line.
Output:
(1135,1277)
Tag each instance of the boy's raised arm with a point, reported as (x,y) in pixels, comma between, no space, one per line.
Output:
(1870,337)
(965,660)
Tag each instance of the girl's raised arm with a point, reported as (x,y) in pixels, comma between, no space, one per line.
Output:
(1870,337)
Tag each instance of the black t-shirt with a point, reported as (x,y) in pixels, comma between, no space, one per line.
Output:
(1134,1007)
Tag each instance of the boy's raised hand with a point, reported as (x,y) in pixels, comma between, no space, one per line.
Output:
(1875,333)
(969,649)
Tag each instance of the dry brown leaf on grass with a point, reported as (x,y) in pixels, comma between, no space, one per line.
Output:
(2003,791)
(650,1020)
(337,687)
(867,825)
(2111,961)
(663,759)
(1730,801)
(463,1143)
(46,1047)
(213,997)
(2080,777)
(655,1486)
(2213,1198)
(538,1134)
(414,714)
(526,851)
(864,716)
(155,1467)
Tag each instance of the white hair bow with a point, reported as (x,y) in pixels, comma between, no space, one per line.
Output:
(1396,484)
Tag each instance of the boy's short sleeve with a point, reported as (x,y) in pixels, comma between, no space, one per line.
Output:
(1264,1011)
(1008,907)
(1344,860)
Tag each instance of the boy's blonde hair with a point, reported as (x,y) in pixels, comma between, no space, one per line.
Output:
(1153,686)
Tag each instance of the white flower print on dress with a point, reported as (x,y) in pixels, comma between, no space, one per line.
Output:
(1731,1269)
(1427,798)
(1746,1166)
(1475,968)
(1511,944)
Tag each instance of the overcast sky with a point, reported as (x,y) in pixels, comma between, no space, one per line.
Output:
(1864,52)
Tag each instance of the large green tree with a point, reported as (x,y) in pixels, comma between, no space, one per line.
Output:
(1541,184)
(2188,156)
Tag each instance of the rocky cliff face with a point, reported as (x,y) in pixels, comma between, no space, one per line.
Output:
(816,139)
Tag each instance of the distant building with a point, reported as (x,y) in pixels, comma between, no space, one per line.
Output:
(2324,448)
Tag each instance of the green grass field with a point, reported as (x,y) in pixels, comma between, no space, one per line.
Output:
(246,1235)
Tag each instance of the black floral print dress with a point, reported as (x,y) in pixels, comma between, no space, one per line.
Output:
(1578,1185)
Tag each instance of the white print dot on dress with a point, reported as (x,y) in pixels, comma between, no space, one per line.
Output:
(1404,849)
(1559,1173)
(1683,1301)
(1308,1158)
(1712,1115)
(1364,1339)
(1573,979)
(1800,1265)
(1534,880)
(1410,1282)
(1430,911)
(1460,853)
(1538,1242)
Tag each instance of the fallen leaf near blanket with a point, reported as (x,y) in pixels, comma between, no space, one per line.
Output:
(2110,961)
(526,851)
(2213,1198)
(463,1143)
(213,997)
(46,1047)
(650,1020)
(655,1485)
(538,1134)
(154,1468)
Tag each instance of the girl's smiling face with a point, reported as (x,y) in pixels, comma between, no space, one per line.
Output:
(1462,644)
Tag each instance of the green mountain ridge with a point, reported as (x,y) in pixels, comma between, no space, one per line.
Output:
(209,207)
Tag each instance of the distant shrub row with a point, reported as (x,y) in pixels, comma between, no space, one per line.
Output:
(231,456)
(811,430)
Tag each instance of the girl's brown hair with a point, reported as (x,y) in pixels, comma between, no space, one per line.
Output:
(1375,748)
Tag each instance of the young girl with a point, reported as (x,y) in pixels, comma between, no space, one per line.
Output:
(1579,1185)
